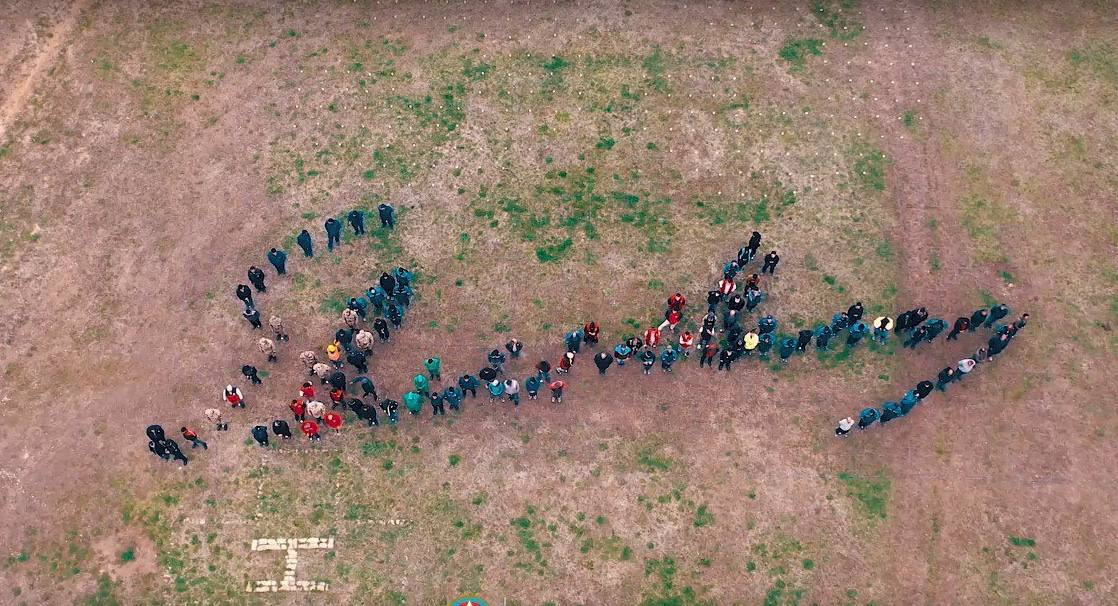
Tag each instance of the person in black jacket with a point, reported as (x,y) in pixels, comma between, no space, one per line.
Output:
(386,212)
(256,276)
(281,429)
(278,259)
(855,312)
(244,293)
(771,260)
(357,221)
(602,360)
(923,388)
(304,242)
(333,233)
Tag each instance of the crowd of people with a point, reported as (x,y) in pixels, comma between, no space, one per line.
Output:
(722,335)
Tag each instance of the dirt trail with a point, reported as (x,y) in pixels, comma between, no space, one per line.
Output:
(13,104)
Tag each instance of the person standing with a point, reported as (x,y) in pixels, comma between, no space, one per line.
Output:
(803,339)
(437,407)
(334,421)
(173,451)
(945,376)
(350,318)
(421,385)
(726,287)
(855,312)
(281,429)
(787,347)
(726,359)
(590,333)
(278,259)
(357,221)
(573,340)
(213,415)
(676,302)
(668,357)
(844,427)
(453,397)
(434,368)
(707,354)
(392,409)
(512,389)
(310,429)
(556,388)
(882,325)
(964,367)
(276,325)
(997,312)
(750,342)
(514,347)
(380,326)
(244,293)
(764,345)
(256,276)
(304,242)
(233,397)
(978,318)
(299,409)
(961,324)
(469,384)
(496,360)
(334,354)
(752,247)
(1020,323)
(251,374)
(316,409)
(890,411)
(767,324)
(917,336)
(367,387)
(364,341)
(333,233)
(867,417)
(822,337)
(496,390)
(566,362)
(652,336)
(268,348)
(647,359)
(686,341)
(309,359)
(909,401)
(769,265)
(714,297)
(621,353)
(191,436)
(252,317)
(532,386)
(413,401)
(602,360)
(260,434)
(386,214)
(924,389)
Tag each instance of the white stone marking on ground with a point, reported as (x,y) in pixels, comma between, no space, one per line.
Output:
(291,548)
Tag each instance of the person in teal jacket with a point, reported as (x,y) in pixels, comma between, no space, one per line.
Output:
(468,384)
(908,401)
(667,358)
(496,390)
(433,365)
(453,397)
(532,386)
(414,402)
(787,346)
(421,384)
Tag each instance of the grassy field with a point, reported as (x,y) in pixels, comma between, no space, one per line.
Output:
(554,164)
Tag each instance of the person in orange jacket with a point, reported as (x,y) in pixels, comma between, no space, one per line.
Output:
(334,353)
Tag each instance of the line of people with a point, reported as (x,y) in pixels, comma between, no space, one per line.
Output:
(1002,335)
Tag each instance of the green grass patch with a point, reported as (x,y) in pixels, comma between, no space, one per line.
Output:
(869,167)
(554,252)
(982,219)
(1022,542)
(796,51)
(703,516)
(870,492)
(838,17)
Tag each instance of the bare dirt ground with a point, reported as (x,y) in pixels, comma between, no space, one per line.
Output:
(554,163)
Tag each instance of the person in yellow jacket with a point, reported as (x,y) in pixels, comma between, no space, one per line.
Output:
(334,353)
(751,340)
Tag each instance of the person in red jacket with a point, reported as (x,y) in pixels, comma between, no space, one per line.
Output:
(556,388)
(726,287)
(233,396)
(310,429)
(671,318)
(676,302)
(708,353)
(652,337)
(566,362)
(333,420)
(590,333)
(307,391)
(686,340)
(337,398)
(299,409)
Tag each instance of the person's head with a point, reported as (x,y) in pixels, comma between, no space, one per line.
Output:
(183,430)
(922,310)
(228,389)
(273,251)
(858,304)
(1024,316)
